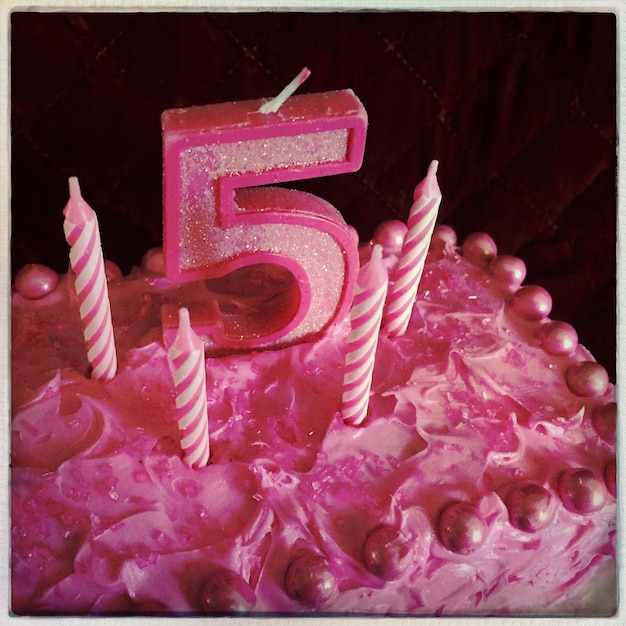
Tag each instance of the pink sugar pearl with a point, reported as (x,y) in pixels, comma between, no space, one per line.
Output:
(604,420)
(386,553)
(309,580)
(390,235)
(581,491)
(35,281)
(226,592)
(558,338)
(153,261)
(112,271)
(529,507)
(443,239)
(479,248)
(532,303)
(508,270)
(587,378)
(445,234)
(461,528)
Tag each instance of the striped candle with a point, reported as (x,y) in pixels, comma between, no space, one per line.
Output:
(188,371)
(365,319)
(421,222)
(83,236)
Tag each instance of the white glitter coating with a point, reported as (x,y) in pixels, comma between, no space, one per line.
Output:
(201,166)
(255,155)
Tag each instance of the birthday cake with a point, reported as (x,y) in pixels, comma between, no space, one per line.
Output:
(481,482)
(477,478)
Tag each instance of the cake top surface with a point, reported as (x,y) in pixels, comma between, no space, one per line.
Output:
(459,435)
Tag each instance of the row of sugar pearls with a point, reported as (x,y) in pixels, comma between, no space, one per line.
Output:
(585,378)
(533,303)
(580,489)
(583,491)
(222,592)
(309,578)
(460,527)
(510,271)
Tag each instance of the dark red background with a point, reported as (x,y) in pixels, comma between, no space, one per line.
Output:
(519,108)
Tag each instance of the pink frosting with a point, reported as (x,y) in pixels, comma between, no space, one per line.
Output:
(480,483)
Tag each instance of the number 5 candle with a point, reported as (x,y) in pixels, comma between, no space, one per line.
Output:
(217,219)
(83,236)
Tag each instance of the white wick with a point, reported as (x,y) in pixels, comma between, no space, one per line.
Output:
(271,106)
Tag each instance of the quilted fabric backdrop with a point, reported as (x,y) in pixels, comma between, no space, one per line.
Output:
(519,108)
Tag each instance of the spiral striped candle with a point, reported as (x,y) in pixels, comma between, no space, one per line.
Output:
(365,319)
(421,222)
(83,236)
(188,371)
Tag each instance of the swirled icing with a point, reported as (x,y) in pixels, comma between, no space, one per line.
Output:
(466,407)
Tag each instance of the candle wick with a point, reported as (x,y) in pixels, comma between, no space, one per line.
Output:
(271,106)
(74,187)
(184,320)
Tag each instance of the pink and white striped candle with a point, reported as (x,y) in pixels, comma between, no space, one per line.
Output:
(83,236)
(421,222)
(365,319)
(189,373)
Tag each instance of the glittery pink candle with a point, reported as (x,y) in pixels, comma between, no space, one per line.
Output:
(189,374)
(365,320)
(421,222)
(217,218)
(83,236)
